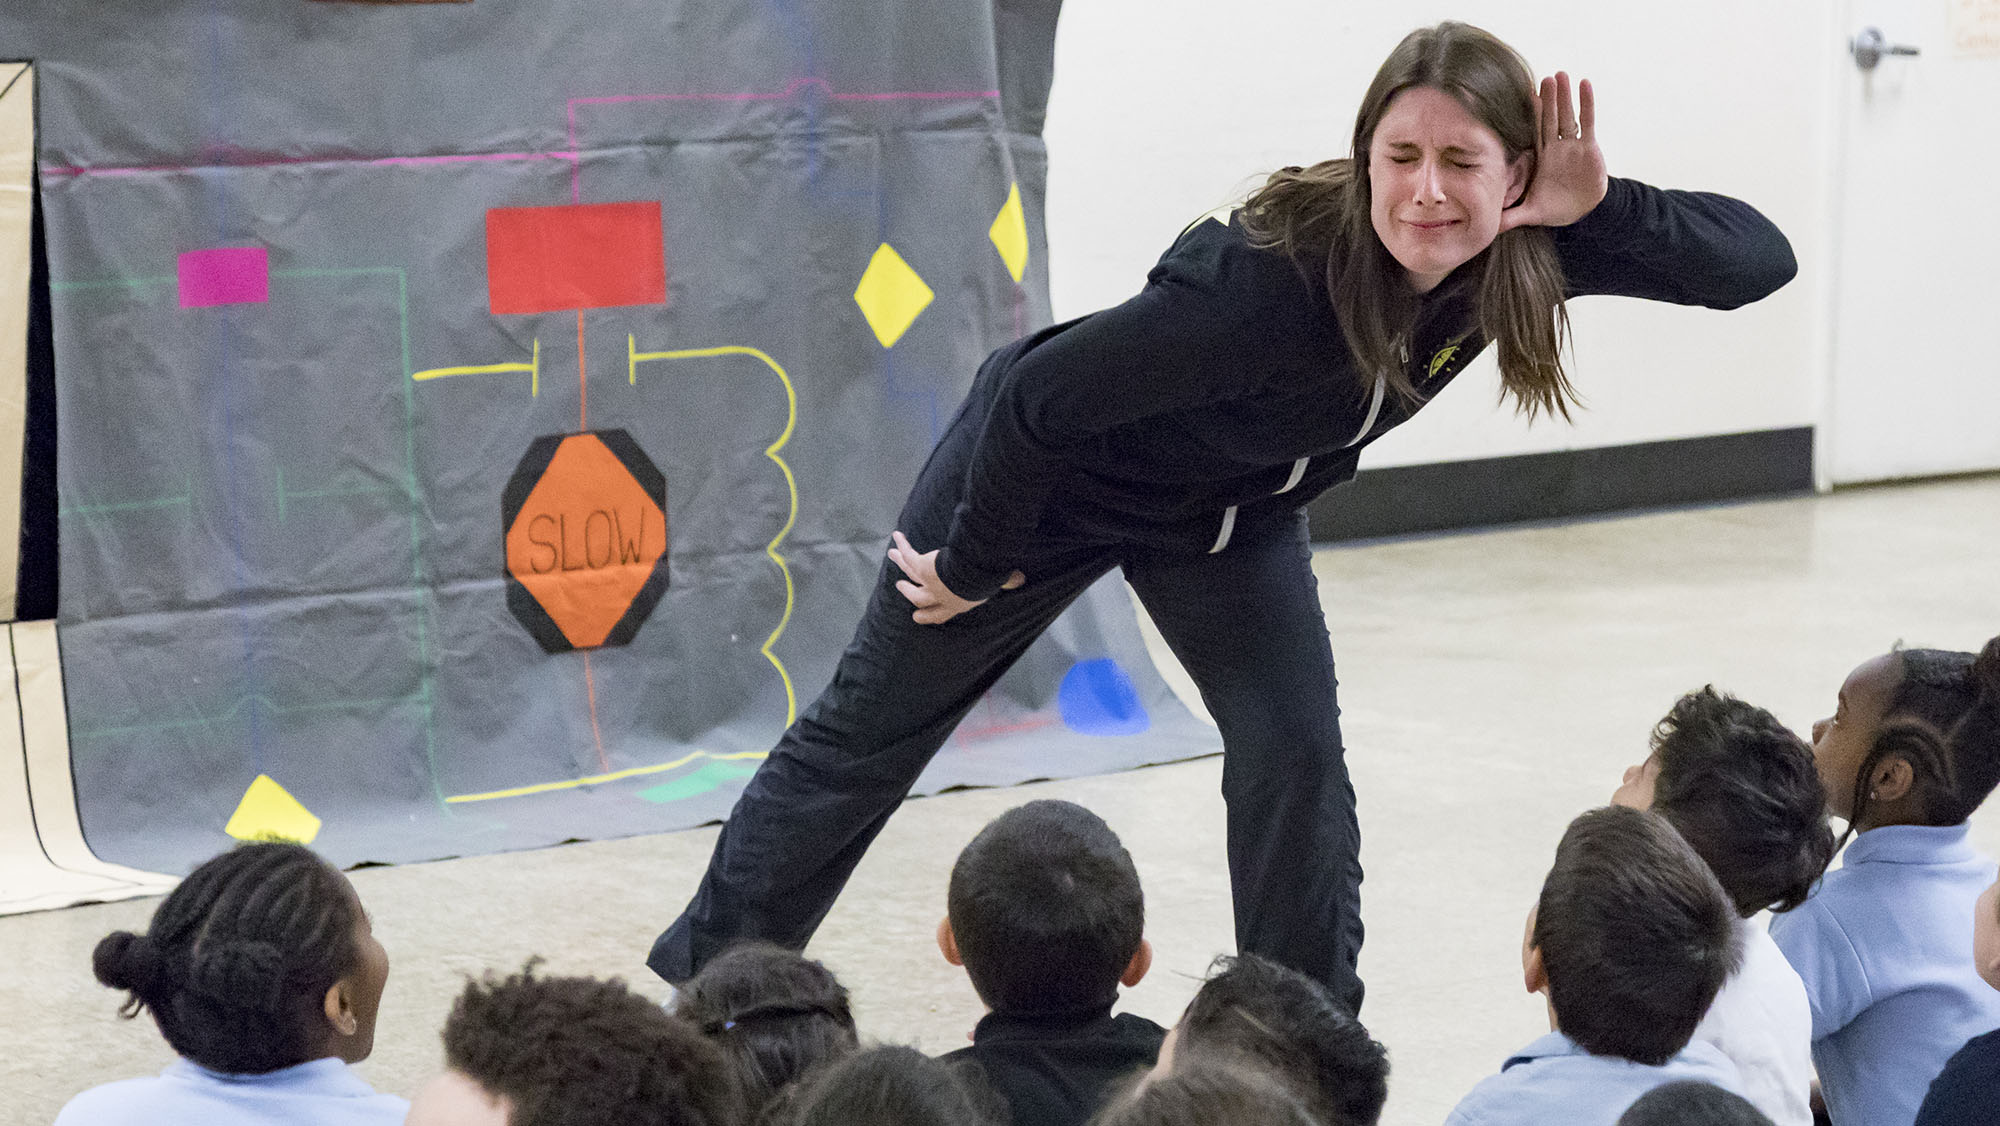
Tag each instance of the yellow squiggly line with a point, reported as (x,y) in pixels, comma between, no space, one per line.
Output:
(633,359)
(614,776)
(534,370)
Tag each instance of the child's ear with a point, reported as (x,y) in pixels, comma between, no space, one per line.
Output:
(339,1009)
(1891,780)
(948,942)
(1135,970)
(1533,974)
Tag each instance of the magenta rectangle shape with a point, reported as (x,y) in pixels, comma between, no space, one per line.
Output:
(225,275)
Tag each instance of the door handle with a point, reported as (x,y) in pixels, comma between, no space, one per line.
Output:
(1869,47)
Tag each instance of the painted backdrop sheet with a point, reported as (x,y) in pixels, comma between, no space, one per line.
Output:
(483,421)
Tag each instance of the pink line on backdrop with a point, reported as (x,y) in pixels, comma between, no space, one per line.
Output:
(791,90)
(460,159)
(574,155)
(452,158)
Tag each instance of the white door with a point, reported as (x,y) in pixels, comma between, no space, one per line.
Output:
(1916,375)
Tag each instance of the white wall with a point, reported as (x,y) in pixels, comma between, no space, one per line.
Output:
(1163,109)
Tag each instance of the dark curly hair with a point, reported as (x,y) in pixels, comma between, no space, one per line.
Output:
(1944,720)
(1296,1028)
(576,1051)
(1742,789)
(775,1013)
(237,961)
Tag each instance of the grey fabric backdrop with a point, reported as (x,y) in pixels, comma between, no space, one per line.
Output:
(282,555)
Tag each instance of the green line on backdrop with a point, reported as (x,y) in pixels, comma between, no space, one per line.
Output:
(426,694)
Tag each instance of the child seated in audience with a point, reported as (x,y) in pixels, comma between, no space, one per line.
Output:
(1631,940)
(774,1013)
(1208,1092)
(573,1051)
(1885,946)
(1046,916)
(1742,789)
(1254,1009)
(1688,1103)
(1967,1091)
(263,975)
(893,1085)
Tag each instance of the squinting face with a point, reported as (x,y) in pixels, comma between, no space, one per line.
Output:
(453,1099)
(1640,781)
(1986,934)
(1841,741)
(1438,180)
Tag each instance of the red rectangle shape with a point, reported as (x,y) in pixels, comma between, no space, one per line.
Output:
(575,256)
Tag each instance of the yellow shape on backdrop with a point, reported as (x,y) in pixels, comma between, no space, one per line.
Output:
(891,295)
(268,812)
(1010,234)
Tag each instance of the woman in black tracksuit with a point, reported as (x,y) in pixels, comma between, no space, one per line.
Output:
(1179,436)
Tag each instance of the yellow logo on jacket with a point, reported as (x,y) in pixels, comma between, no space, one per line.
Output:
(1443,357)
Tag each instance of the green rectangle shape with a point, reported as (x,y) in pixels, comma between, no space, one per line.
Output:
(711,776)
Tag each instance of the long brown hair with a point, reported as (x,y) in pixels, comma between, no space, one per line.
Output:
(1322,213)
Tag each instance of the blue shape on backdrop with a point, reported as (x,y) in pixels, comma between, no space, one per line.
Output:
(1097,698)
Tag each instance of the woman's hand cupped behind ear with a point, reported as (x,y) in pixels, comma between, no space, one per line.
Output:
(1568,179)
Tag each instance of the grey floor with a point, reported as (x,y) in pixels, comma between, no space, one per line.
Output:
(1494,684)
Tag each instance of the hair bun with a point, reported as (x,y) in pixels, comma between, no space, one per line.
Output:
(249,974)
(128,961)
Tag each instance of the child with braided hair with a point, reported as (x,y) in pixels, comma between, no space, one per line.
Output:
(263,974)
(1885,945)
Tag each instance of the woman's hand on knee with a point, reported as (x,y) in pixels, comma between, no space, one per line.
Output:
(935,602)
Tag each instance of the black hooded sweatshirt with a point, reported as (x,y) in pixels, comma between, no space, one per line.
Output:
(1223,395)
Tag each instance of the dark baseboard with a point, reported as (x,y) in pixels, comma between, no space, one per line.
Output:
(1411,499)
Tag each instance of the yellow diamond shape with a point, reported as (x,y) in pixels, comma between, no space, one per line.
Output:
(890,295)
(267,812)
(1010,234)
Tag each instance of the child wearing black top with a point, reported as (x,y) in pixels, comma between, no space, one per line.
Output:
(1046,916)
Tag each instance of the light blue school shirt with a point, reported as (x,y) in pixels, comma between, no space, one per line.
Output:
(1555,1080)
(1885,949)
(320,1093)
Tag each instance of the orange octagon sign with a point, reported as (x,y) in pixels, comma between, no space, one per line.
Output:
(586,539)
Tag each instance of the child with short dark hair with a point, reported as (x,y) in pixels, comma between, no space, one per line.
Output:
(776,1014)
(573,1051)
(1209,1092)
(1690,1103)
(1046,916)
(1883,947)
(1631,939)
(892,1085)
(1967,1091)
(263,974)
(1253,1008)
(1742,789)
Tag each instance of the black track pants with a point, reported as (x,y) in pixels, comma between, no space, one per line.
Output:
(1245,621)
